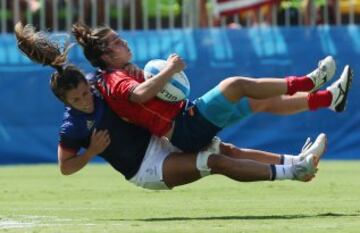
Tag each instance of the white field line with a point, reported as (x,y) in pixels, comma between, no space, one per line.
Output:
(13,224)
(27,221)
(31,221)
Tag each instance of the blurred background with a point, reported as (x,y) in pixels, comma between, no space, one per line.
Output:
(216,38)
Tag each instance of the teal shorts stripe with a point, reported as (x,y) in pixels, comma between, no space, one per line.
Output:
(217,109)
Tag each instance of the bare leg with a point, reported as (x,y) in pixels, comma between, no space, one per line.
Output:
(180,169)
(281,105)
(237,87)
(232,151)
(239,169)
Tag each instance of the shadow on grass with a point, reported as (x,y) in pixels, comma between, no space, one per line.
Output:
(253,217)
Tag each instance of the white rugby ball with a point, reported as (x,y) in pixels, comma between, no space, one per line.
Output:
(178,87)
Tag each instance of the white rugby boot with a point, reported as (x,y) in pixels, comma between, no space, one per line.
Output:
(325,71)
(305,170)
(316,148)
(339,90)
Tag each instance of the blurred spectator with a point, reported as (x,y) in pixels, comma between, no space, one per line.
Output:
(248,12)
(18,12)
(88,9)
(203,14)
(150,14)
(75,7)
(290,12)
(316,10)
(307,12)
(260,15)
(349,11)
(23,7)
(159,12)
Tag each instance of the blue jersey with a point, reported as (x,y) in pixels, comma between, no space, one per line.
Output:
(128,142)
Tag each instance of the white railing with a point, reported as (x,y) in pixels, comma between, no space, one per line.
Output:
(59,15)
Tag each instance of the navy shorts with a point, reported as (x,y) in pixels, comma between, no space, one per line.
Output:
(192,132)
(198,124)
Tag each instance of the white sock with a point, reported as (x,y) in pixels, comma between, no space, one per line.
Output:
(284,172)
(291,159)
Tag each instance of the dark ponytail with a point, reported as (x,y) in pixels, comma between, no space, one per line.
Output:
(40,49)
(93,42)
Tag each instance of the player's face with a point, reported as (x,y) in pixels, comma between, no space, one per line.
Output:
(81,98)
(118,52)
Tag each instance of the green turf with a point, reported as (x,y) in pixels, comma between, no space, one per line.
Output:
(98,199)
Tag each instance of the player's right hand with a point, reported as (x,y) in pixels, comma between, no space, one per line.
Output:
(176,63)
(99,141)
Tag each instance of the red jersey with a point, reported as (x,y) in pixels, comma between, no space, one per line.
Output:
(156,115)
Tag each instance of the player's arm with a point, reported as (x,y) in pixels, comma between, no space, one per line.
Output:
(71,162)
(149,88)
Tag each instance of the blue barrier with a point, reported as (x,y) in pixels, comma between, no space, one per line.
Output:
(30,115)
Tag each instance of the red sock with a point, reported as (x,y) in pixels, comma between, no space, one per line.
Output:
(319,99)
(296,84)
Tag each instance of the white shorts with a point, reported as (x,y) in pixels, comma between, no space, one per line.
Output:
(150,173)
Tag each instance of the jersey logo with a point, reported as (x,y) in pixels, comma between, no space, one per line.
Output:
(90,124)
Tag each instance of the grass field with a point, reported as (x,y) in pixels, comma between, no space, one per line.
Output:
(98,199)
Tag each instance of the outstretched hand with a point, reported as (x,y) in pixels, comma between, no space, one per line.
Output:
(99,141)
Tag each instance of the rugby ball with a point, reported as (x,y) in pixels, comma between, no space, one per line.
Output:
(178,87)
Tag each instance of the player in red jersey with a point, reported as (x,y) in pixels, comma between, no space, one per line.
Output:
(192,127)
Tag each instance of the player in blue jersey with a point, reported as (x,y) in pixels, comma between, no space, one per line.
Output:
(145,160)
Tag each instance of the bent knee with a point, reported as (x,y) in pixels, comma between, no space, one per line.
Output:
(235,87)
(232,81)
